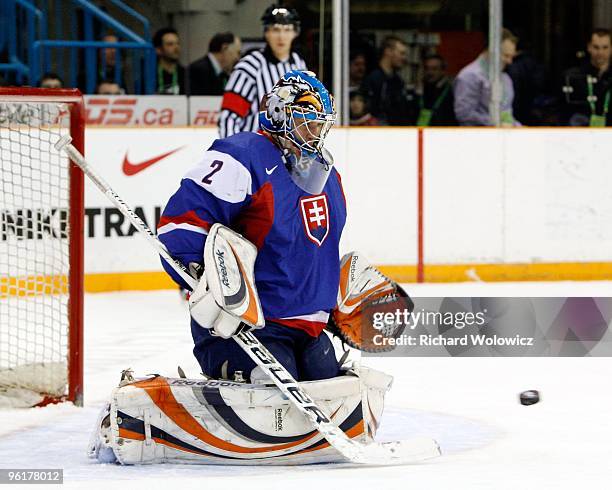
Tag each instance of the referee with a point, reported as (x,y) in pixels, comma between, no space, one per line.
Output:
(257,72)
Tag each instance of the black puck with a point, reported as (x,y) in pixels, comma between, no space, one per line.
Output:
(529,397)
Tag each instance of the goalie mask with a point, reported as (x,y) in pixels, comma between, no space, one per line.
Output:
(298,113)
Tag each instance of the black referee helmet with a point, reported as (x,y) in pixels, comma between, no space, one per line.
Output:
(275,14)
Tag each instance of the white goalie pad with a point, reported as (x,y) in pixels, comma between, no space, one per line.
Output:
(163,420)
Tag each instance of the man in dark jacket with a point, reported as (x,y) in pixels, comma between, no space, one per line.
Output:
(587,88)
(436,103)
(389,100)
(209,74)
(170,73)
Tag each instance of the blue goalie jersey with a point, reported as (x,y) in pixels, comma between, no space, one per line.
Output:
(242,182)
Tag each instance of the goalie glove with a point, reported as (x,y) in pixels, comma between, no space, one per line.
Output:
(225,299)
(365,295)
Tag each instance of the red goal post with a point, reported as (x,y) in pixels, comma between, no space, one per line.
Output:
(41,238)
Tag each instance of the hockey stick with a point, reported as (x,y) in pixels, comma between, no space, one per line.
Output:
(400,452)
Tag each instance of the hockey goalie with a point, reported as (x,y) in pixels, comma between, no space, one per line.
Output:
(259,222)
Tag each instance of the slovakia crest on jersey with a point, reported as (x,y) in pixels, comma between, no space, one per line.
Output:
(315,216)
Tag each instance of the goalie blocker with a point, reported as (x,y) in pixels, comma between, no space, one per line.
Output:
(226,297)
(162,420)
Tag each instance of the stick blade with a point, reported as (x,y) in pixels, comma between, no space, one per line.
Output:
(62,142)
(398,452)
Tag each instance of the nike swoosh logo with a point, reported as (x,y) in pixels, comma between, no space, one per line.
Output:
(130,168)
(269,171)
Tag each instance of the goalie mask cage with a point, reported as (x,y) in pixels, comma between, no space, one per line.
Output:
(41,248)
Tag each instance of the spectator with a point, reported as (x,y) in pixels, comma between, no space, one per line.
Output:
(108,87)
(170,74)
(472,89)
(529,81)
(436,104)
(257,72)
(209,74)
(386,90)
(360,113)
(108,64)
(357,70)
(51,80)
(587,87)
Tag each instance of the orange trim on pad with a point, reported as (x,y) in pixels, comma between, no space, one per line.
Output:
(251,316)
(161,394)
(130,434)
(353,432)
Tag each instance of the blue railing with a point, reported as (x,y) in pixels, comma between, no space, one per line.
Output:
(146,25)
(29,59)
(19,18)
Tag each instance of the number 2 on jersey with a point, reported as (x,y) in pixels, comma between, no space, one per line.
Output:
(216,166)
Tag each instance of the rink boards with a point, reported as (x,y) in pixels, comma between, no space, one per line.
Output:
(523,204)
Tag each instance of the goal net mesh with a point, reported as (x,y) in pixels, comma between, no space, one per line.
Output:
(34,253)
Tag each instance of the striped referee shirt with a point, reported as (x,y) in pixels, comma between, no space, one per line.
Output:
(253,77)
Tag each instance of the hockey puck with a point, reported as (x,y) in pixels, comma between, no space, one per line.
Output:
(529,397)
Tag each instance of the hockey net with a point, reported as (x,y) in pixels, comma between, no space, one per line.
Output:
(41,244)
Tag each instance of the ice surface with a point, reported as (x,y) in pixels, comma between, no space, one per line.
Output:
(470,405)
